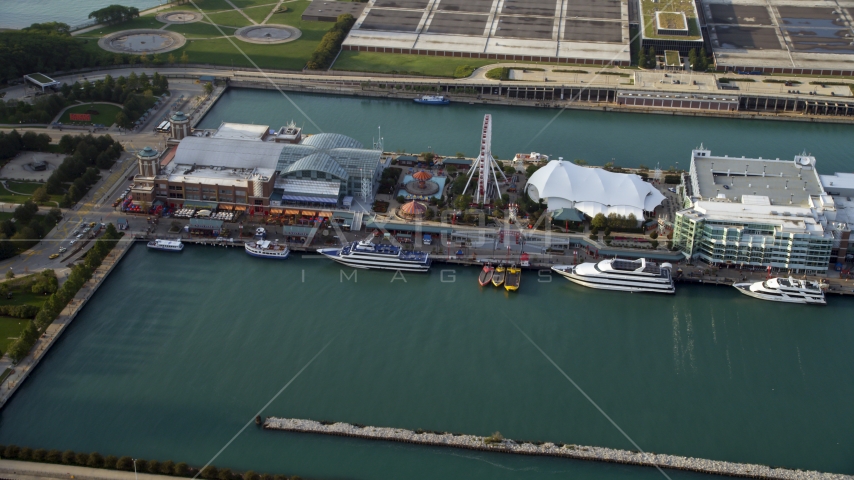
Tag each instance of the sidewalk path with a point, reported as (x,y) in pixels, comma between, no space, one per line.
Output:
(15,469)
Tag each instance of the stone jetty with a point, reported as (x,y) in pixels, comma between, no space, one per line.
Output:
(579,452)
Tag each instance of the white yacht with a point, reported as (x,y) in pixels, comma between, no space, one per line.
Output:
(166,245)
(618,274)
(267,249)
(790,290)
(366,254)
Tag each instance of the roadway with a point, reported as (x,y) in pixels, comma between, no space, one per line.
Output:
(658,80)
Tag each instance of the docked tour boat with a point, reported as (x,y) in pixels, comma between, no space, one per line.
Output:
(267,249)
(789,290)
(432,100)
(166,245)
(486,275)
(513,278)
(365,254)
(623,275)
(498,276)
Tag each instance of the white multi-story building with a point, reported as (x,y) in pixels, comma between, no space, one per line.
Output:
(760,213)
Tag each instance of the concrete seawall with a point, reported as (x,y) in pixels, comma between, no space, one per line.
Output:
(578,452)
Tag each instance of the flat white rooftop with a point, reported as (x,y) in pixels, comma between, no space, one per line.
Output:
(790,219)
(783,182)
(204,175)
(241,131)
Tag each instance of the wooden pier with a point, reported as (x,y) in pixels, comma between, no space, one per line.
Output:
(578,452)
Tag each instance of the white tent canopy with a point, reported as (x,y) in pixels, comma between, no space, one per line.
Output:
(564,184)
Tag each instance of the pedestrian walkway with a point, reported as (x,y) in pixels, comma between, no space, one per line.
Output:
(14,469)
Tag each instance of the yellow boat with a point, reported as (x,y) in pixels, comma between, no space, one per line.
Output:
(513,278)
(498,276)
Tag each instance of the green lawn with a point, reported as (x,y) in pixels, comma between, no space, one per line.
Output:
(219,51)
(106,113)
(254,3)
(147,21)
(198,30)
(10,329)
(232,18)
(285,56)
(23,187)
(259,13)
(412,64)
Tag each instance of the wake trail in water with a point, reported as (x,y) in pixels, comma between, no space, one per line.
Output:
(689,330)
(676,342)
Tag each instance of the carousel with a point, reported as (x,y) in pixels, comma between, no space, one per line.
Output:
(421,185)
(412,210)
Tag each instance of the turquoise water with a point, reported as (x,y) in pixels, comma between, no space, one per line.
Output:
(438,180)
(177,352)
(598,137)
(23,13)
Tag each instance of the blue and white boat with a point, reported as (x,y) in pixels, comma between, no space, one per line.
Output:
(267,249)
(166,245)
(432,100)
(365,254)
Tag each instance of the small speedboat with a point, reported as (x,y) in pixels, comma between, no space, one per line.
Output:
(498,276)
(513,278)
(486,275)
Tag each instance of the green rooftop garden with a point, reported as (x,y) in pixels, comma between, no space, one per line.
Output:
(670,15)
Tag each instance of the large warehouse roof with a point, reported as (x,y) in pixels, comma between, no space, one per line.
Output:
(592,190)
(227,152)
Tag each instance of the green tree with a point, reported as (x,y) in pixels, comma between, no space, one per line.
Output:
(124,463)
(167,467)
(25,454)
(209,88)
(11,451)
(96,460)
(652,61)
(39,455)
(110,461)
(250,475)
(642,60)
(580,161)
(599,222)
(40,195)
(181,470)
(81,459)
(210,472)
(68,457)
(185,59)
(428,156)
(53,456)
(224,474)
(10,274)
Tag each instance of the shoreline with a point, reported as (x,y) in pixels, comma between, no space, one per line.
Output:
(549,449)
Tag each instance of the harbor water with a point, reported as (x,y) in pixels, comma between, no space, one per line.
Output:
(629,140)
(23,13)
(177,352)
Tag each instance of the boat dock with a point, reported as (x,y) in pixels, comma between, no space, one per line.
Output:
(578,452)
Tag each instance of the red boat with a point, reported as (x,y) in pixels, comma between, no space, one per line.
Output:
(485,276)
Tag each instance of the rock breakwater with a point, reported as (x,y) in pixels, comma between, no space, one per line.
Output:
(579,452)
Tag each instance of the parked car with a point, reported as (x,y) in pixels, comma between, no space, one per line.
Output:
(72,242)
(62,249)
(79,236)
(55,255)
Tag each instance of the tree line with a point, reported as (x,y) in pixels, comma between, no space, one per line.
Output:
(136,93)
(25,228)
(125,463)
(614,221)
(49,47)
(87,154)
(79,275)
(13,143)
(114,14)
(330,44)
